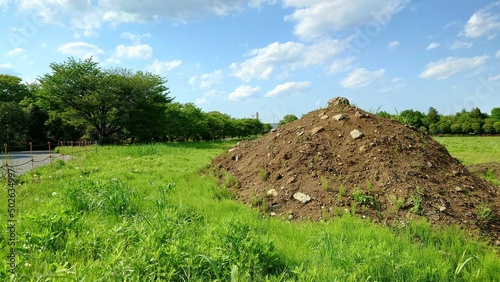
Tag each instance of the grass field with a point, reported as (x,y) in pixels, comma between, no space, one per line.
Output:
(154,213)
(473,149)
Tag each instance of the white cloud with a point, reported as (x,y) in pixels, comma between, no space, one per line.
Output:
(289,88)
(319,18)
(433,45)
(207,80)
(450,66)
(6,66)
(483,23)
(361,78)
(458,44)
(393,44)
(80,49)
(340,65)
(15,52)
(135,38)
(161,67)
(207,97)
(140,51)
(494,78)
(497,55)
(286,56)
(244,92)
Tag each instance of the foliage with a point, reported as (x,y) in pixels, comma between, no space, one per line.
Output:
(109,100)
(287,118)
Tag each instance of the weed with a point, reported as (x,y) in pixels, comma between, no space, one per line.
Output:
(342,192)
(263,174)
(484,212)
(325,184)
(416,203)
(398,202)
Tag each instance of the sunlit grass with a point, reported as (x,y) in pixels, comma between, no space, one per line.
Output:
(473,149)
(155,213)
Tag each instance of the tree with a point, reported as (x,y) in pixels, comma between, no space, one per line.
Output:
(287,118)
(411,117)
(109,100)
(13,121)
(495,114)
(12,89)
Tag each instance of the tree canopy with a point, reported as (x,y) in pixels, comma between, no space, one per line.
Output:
(112,101)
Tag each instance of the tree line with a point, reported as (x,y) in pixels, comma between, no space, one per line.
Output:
(463,122)
(78,100)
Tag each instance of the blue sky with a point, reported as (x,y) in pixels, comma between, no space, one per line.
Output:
(275,57)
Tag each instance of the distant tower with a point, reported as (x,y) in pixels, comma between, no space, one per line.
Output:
(257,115)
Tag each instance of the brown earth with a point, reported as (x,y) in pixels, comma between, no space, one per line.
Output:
(390,173)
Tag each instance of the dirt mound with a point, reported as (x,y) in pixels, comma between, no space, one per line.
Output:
(342,159)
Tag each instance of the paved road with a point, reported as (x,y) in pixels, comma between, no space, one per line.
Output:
(21,161)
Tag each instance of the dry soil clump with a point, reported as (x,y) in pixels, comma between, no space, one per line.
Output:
(342,159)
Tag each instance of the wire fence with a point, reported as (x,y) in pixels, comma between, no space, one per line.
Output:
(25,158)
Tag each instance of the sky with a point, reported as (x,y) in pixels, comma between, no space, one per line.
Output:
(273,57)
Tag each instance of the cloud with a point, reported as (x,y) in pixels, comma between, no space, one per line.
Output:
(15,52)
(244,92)
(208,80)
(482,23)
(319,18)
(497,55)
(433,45)
(450,66)
(494,78)
(208,96)
(87,17)
(140,51)
(340,65)
(361,78)
(162,67)
(289,88)
(6,66)
(393,44)
(458,44)
(286,56)
(135,38)
(80,49)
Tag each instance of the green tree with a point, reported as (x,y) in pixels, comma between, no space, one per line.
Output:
(496,125)
(13,124)
(411,117)
(287,119)
(495,114)
(12,89)
(109,100)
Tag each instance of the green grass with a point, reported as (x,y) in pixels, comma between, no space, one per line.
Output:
(473,149)
(154,213)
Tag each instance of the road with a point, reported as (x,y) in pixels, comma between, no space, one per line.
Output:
(21,161)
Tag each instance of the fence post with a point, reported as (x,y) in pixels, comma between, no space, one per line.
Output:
(6,163)
(50,155)
(32,160)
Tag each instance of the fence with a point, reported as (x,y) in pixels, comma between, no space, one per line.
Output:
(25,158)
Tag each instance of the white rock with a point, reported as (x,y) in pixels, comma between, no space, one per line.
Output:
(301,197)
(356,134)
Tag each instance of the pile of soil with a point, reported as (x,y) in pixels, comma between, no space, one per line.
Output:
(342,159)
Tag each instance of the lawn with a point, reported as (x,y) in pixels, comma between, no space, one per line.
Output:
(473,149)
(156,213)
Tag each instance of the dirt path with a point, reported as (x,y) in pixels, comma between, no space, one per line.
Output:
(21,161)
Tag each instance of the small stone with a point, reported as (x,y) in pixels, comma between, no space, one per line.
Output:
(458,189)
(230,150)
(274,130)
(272,193)
(442,208)
(300,133)
(272,214)
(356,134)
(497,242)
(429,164)
(291,180)
(362,149)
(325,117)
(339,117)
(359,114)
(301,197)
(238,157)
(317,130)
(290,217)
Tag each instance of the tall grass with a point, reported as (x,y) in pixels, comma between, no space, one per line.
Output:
(147,213)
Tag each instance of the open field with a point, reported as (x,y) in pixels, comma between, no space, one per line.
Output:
(473,149)
(155,213)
